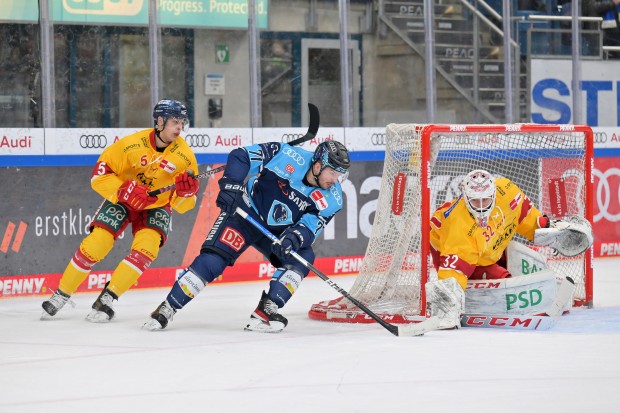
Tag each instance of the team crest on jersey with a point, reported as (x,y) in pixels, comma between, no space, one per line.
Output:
(319,200)
(279,214)
(167,166)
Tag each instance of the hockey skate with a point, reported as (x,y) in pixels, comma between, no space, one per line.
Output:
(265,318)
(160,317)
(102,311)
(54,304)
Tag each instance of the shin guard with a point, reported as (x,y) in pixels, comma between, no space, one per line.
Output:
(187,286)
(283,284)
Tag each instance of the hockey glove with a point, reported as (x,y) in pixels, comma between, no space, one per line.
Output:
(135,195)
(186,185)
(570,236)
(231,193)
(290,241)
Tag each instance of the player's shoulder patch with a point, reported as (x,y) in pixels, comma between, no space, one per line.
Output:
(327,201)
(450,206)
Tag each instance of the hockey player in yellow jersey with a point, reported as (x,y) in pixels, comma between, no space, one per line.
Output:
(123,175)
(470,234)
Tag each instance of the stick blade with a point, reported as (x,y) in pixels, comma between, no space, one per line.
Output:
(315,119)
(416,330)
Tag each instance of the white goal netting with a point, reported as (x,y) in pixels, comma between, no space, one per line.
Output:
(424,165)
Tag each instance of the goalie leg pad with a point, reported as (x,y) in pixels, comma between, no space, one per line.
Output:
(523,260)
(446,301)
(527,294)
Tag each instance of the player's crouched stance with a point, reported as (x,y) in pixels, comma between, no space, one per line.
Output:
(124,174)
(294,193)
(469,238)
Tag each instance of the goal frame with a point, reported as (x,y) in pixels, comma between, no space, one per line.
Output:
(425,175)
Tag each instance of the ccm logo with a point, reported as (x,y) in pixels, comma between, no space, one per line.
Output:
(233,239)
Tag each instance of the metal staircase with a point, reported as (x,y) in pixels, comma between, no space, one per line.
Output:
(468,51)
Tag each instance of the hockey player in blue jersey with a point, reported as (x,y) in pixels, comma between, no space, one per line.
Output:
(294,193)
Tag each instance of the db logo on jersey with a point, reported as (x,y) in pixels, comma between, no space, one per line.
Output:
(319,200)
(233,239)
(289,168)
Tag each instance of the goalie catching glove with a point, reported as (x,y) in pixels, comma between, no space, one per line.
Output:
(569,237)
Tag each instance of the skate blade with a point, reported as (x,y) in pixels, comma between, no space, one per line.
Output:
(98,317)
(152,325)
(261,326)
(46,317)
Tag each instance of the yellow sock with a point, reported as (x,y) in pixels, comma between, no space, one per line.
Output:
(144,250)
(93,249)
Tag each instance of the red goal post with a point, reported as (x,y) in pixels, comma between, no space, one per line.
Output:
(423,166)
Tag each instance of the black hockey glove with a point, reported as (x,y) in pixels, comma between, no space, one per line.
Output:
(290,241)
(231,193)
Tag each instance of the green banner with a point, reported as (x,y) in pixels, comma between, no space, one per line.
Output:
(134,12)
(19,10)
(179,13)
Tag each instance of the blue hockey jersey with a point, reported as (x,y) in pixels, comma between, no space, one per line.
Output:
(278,191)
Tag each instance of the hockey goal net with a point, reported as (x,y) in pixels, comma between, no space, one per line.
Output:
(424,165)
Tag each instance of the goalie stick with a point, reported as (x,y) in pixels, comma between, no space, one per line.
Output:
(401,331)
(313,128)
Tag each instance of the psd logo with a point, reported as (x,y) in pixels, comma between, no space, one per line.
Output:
(109,7)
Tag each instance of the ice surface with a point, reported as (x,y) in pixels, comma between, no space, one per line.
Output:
(205,362)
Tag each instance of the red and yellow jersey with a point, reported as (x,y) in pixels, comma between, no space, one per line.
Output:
(461,245)
(135,157)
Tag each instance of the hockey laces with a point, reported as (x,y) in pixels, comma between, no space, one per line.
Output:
(271,307)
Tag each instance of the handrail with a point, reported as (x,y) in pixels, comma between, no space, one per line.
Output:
(564,18)
(489,23)
(491,10)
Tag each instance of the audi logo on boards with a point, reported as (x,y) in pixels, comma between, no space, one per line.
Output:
(93,141)
(201,140)
(600,137)
(290,137)
(607,194)
(377,139)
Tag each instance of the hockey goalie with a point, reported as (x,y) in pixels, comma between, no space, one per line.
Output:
(471,239)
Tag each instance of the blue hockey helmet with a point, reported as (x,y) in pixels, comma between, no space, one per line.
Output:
(333,154)
(167,108)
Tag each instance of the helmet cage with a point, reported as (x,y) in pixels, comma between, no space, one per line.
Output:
(477,189)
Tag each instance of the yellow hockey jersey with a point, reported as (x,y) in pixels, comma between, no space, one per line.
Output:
(460,245)
(135,157)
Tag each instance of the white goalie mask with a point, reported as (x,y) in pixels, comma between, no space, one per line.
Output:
(478,189)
